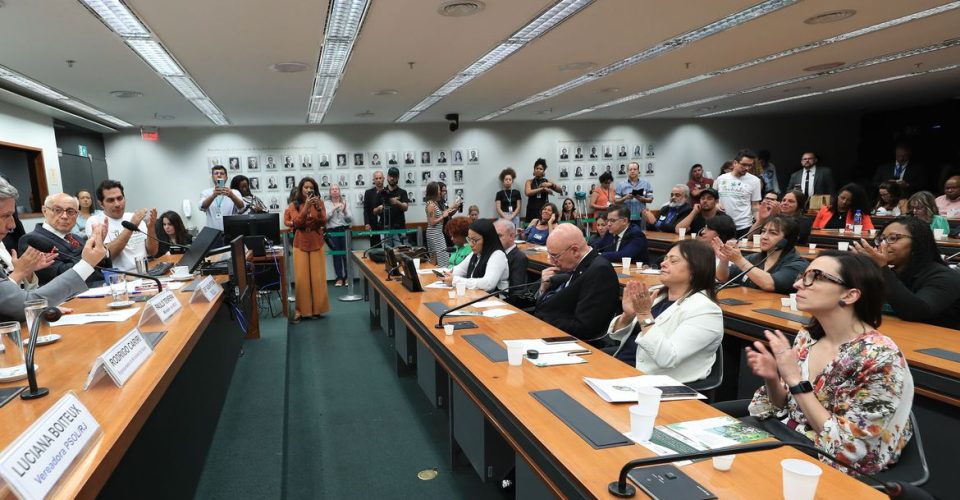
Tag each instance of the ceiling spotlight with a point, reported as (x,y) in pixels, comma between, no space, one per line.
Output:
(824,66)
(454,119)
(609,90)
(288,67)
(125,94)
(460,8)
(830,17)
(365,114)
(384,92)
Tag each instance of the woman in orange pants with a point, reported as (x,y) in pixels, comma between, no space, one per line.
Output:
(307,217)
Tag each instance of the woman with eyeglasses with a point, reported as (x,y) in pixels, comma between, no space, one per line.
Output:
(842,208)
(791,205)
(841,384)
(890,200)
(774,267)
(486,267)
(674,330)
(538,229)
(923,205)
(918,285)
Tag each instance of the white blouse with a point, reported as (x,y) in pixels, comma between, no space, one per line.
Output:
(497,274)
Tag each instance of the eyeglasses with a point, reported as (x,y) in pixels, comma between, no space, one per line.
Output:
(476,240)
(890,239)
(810,276)
(556,256)
(60,211)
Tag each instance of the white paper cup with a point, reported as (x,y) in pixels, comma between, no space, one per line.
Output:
(843,246)
(743,243)
(682,232)
(514,355)
(648,399)
(641,423)
(756,240)
(841,230)
(723,462)
(813,248)
(639,266)
(872,233)
(800,479)
(626,264)
(793,302)
(448,329)
(857,229)
(416,264)
(938,234)
(452,294)
(461,289)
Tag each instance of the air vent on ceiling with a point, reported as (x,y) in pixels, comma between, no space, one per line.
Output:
(125,94)
(384,92)
(158,116)
(460,8)
(824,66)
(365,114)
(830,17)
(288,67)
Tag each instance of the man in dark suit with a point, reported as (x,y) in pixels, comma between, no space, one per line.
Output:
(371,197)
(60,214)
(911,176)
(629,240)
(580,293)
(812,179)
(516,259)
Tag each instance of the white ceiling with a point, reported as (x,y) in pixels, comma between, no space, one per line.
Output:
(228,46)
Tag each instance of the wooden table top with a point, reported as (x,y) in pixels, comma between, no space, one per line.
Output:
(63,367)
(755,475)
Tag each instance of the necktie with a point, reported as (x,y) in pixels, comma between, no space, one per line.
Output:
(898,171)
(806,182)
(72,241)
(616,246)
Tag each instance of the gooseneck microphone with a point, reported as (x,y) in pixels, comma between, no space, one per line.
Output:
(894,489)
(46,246)
(779,246)
(48,314)
(133,227)
(486,296)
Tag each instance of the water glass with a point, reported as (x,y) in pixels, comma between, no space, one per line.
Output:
(682,232)
(756,240)
(12,354)
(626,264)
(118,287)
(32,309)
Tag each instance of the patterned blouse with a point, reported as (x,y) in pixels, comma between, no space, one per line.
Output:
(868,391)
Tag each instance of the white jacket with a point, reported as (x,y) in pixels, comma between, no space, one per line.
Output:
(682,343)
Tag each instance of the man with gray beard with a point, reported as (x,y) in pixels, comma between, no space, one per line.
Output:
(672,213)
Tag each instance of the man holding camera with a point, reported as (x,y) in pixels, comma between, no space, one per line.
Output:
(219,201)
(392,203)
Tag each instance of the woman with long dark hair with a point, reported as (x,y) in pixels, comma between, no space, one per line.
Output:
(791,205)
(486,267)
(539,229)
(568,211)
(675,330)
(839,214)
(307,216)
(781,262)
(436,243)
(538,189)
(170,229)
(842,384)
(918,284)
(890,200)
(252,204)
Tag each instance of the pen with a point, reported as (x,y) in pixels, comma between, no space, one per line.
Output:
(573,353)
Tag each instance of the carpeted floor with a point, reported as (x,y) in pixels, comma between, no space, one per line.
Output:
(352,427)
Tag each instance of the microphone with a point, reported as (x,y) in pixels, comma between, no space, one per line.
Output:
(895,489)
(131,226)
(779,246)
(47,246)
(48,314)
(486,296)
(948,258)
(382,241)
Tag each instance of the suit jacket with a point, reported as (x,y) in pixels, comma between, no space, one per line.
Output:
(915,176)
(67,256)
(583,307)
(603,244)
(517,264)
(633,245)
(56,292)
(822,181)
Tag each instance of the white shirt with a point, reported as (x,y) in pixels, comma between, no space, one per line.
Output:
(619,237)
(136,245)
(220,207)
(812,172)
(54,230)
(497,274)
(737,195)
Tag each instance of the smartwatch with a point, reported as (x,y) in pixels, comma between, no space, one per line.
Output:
(802,387)
(647,322)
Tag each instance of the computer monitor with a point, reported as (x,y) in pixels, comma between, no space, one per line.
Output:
(199,248)
(410,279)
(238,267)
(265,225)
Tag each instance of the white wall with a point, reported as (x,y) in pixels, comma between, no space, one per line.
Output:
(26,128)
(161,174)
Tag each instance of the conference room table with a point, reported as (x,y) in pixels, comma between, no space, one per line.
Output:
(493,414)
(157,428)
(936,379)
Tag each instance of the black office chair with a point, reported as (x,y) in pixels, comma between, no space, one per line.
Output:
(708,386)
(912,467)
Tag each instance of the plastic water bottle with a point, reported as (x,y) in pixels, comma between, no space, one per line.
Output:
(858,218)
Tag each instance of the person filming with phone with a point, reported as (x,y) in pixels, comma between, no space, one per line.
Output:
(219,201)
(635,193)
(307,216)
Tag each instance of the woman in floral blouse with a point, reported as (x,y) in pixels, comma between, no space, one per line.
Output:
(842,384)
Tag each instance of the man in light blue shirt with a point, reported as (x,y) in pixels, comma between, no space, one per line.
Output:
(635,193)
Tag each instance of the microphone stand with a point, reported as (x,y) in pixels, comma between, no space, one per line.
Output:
(110,270)
(620,487)
(48,314)
(474,301)
(780,246)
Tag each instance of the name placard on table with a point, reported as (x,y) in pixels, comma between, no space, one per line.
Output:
(161,307)
(34,463)
(121,360)
(206,291)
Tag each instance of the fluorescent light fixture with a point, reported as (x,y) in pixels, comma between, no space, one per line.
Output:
(857,65)
(838,89)
(657,50)
(117,17)
(186,86)
(344,21)
(156,56)
(551,18)
(60,99)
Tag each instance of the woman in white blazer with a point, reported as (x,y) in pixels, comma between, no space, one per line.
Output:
(674,330)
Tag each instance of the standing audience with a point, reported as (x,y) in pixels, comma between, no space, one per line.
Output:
(87,210)
(538,189)
(307,216)
(252,204)
(337,209)
(740,191)
(697,182)
(634,193)
(508,200)
(436,243)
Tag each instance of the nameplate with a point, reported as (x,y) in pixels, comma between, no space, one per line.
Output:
(164,305)
(34,463)
(206,291)
(121,360)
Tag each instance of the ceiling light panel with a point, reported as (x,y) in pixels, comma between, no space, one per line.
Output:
(344,21)
(551,18)
(654,51)
(62,100)
(117,17)
(155,55)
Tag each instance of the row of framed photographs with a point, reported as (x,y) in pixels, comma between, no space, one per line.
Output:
(305,161)
(260,183)
(604,151)
(582,171)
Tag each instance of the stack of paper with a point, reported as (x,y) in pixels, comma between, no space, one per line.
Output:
(624,390)
(544,348)
(715,432)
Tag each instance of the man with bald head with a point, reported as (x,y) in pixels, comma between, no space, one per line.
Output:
(580,293)
(60,212)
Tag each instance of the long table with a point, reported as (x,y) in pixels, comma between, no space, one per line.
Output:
(493,415)
(157,428)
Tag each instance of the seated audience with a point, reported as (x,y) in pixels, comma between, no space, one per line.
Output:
(124,246)
(473,213)
(457,230)
(568,212)
(486,267)
(580,292)
(628,239)
(603,239)
(252,204)
(671,213)
(721,226)
(781,262)
(172,230)
(538,229)
(701,212)
(675,330)
(60,217)
(924,207)
(841,384)
(790,206)
(949,202)
(697,182)
(839,213)
(890,200)
(919,285)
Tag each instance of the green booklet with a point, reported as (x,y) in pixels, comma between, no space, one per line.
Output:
(716,432)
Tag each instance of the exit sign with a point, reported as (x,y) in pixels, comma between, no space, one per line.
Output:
(82,150)
(150,134)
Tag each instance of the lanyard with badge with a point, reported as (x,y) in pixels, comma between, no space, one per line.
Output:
(508,194)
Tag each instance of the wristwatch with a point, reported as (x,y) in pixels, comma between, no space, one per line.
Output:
(647,322)
(802,387)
